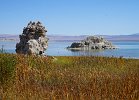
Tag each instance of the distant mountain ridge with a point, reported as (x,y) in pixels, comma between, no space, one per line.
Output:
(132,37)
(135,34)
(9,37)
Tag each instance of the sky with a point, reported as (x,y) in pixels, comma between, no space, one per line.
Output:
(71,17)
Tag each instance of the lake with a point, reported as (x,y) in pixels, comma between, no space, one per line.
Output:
(127,49)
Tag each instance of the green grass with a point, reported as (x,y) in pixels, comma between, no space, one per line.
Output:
(68,78)
(7,68)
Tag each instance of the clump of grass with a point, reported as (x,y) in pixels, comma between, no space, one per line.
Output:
(67,78)
(2,50)
(7,68)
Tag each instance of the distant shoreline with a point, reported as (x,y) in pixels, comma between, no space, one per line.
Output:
(8,40)
(67,40)
(132,37)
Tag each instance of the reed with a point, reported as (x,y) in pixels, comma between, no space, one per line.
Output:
(68,78)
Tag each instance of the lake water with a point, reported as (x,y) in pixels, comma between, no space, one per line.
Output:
(128,49)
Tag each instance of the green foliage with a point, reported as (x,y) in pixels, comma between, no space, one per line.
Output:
(7,68)
(2,50)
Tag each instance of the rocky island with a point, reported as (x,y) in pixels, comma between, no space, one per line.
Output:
(33,40)
(92,43)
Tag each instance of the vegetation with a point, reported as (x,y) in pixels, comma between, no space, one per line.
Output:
(68,78)
(2,50)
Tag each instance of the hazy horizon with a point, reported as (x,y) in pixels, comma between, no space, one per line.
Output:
(78,34)
(71,18)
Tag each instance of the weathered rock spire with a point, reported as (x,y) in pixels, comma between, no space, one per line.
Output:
(33,40)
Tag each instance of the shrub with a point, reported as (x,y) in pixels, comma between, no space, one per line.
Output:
(7,68)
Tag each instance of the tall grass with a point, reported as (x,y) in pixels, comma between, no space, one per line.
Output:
(68,78)
(7,68)
(2,50)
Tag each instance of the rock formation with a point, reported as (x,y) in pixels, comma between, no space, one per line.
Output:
(33,40)
(91,43)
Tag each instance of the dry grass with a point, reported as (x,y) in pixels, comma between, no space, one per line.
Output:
(68,78)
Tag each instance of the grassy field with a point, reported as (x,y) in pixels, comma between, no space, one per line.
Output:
(68,78)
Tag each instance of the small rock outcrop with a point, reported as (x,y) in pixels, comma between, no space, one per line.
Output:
(33,40)
(92,43)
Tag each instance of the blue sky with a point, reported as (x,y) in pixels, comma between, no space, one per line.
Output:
(71,17)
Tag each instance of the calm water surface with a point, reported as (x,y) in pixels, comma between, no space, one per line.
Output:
(125,48)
